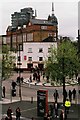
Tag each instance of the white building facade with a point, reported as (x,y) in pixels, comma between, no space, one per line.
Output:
(34,54)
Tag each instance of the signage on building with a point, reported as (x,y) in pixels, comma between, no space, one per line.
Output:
(25,58)
(42,102)
(43,27)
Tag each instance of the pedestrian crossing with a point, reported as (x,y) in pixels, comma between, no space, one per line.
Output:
(13,116)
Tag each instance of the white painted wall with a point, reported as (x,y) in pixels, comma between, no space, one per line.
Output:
(35,52)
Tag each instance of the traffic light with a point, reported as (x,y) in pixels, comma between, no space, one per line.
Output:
(18,80)
(13,84)
(78,41)
(13,92)
(19,59)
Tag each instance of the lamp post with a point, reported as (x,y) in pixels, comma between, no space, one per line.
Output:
(20,48)
(63,77)
(19,70)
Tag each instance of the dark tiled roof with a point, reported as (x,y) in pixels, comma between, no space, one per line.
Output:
(49,39)
(42,22)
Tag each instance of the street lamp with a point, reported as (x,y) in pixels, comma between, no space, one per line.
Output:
(63,77)
(19,70)
(20,48)
(63,81)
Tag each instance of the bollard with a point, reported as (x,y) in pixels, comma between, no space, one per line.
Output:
(31,99)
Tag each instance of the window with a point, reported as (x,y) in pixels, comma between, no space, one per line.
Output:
(30,37)
(24,37)
(14,38)
(4,40)
(19,38)
(29,50)
(29,58)
(40,50)
(49,34)
(8,40)
(44,27)
(40,58)
(49,50)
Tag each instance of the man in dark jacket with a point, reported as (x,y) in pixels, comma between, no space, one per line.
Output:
(56,95)
(63,116)
(9,113)
(18,113)
(56,107)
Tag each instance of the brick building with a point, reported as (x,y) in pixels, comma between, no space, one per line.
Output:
(27,30)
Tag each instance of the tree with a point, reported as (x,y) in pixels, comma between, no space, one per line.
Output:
(7,62)
(62,61)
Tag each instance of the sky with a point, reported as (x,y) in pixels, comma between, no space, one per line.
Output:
(65,11)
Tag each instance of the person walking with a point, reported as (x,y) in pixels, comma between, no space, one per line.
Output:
(45,116)
(65,95)
(49,115)
(30,78)
(70,95)
(9,113)
(74,94)
(18,113)
(62,116)
(4,91)
(56,95)
(67,106)
(56,107)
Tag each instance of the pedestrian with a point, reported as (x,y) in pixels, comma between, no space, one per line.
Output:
(45,116)
(67,106)
(52,110)
(4,91)
(30,78)
(49,115)
(70,95)
(38,78)
(56,95)
(18,113)
(9,113)
(65,95)
(22,79)
(34,76)
(47,77)
(74,94)
(43,75)
(62,116)
(56,107)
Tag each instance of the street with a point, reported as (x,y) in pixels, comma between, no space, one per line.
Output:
(28,109)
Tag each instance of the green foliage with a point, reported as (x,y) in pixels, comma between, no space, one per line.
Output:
(7,62)
(63,62)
